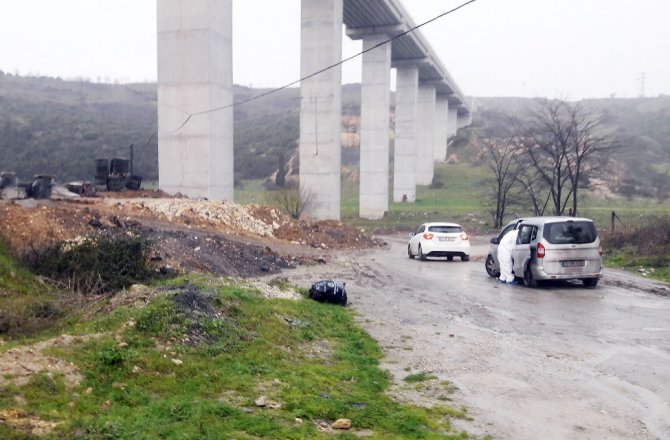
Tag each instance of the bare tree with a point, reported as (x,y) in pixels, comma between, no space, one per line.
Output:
(563,144)
(535,188)
(502,158)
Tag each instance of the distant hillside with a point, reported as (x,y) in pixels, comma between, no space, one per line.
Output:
(642,125)
(59,127)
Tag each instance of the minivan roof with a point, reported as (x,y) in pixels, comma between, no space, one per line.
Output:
(553,219)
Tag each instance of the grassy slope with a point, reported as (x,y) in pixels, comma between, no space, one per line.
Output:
(146,382)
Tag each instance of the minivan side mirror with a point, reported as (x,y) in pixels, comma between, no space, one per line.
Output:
(411,234)
(495,240)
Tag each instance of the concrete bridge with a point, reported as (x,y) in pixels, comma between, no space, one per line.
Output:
(195,75)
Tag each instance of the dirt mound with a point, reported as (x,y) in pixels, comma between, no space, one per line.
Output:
(186,234)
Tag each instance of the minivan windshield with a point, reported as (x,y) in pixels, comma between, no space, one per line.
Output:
(570,232)
(445,229)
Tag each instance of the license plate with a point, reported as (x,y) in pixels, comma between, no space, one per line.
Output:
(573,263)
(447,238)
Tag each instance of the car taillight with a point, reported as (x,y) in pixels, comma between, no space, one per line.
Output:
(540,250)
(600,250)
(428,235)
(464,236)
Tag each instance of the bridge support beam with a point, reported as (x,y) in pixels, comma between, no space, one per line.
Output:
(453,122)
(195,73)
(441,127)
(404,162)
(375,115)
(321,107)
(425,152)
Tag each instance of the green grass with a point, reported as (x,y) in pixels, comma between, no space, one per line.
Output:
(177,374)
(419,377)
(27,303)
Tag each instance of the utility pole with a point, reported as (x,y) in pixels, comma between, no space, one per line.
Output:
(642,80)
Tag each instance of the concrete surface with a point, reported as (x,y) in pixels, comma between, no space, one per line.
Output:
(404,164)
(321,107)
(195,74)
(375,130)
(425,139)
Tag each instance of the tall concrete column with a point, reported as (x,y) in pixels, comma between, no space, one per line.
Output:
(404,158)
(425,142)
(375,115)
(321,107)
(453,122)
(441,127)
(195,74)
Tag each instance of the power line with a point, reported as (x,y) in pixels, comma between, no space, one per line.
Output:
(325,69)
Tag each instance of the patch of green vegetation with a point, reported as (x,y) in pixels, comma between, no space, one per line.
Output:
(192,363)
(97,266)
(27,303)
(643,246)
(419,377)
(14,276)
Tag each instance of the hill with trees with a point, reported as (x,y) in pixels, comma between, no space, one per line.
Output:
(51,126)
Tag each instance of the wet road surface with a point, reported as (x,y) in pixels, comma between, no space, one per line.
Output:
(557,362)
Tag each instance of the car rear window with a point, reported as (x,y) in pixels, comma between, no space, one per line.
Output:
(445,229)
(570,232)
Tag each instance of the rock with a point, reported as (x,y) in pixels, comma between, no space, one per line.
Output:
(88,391)
(177,361)
(341,424)
(263,402)
(106,404)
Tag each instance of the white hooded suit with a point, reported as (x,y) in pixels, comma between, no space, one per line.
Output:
(505,256)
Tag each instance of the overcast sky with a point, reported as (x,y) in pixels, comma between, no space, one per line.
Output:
(550,48)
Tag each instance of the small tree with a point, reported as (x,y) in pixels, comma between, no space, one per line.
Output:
(292,201)
(565,144)
(502,158)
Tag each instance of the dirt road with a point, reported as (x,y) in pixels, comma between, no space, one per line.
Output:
(558,362)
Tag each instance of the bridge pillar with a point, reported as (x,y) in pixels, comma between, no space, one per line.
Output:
(453,122)
(425,151)
(404,162)
(321,107)
(195,74)
(375,115)
(441,127)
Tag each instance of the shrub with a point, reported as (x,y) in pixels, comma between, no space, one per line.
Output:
(96,266)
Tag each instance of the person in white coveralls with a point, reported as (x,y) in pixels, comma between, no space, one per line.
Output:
(505,256)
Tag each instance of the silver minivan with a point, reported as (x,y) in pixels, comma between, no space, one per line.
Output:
(551,248)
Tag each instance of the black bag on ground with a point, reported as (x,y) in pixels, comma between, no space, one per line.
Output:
(329,291)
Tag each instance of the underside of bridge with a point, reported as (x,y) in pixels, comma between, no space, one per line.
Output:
(195,75)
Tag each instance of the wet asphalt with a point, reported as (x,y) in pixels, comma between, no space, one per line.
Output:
(557,362)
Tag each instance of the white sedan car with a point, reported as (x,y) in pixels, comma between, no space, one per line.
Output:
(439,240)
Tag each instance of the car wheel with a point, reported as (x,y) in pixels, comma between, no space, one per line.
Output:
(409,252)
(343,300)
(528,278)
(422,256)
(491,267)
(450,258)
(590,282)
(465,258)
